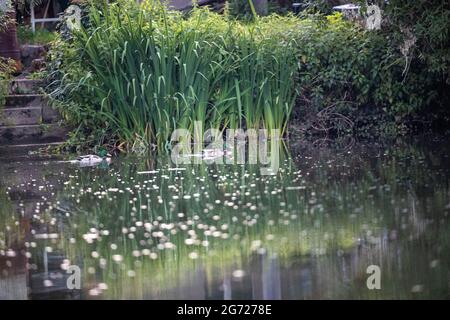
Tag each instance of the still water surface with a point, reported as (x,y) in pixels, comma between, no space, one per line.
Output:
(143,229)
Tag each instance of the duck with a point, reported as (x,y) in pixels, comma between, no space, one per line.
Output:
(215,153)
(210,154)
(92,160)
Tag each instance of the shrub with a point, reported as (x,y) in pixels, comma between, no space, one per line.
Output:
(421,31)
(401,70)
(349,75)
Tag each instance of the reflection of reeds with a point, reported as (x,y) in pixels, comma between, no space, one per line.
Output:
(10,233)
(313,209)
(297,227)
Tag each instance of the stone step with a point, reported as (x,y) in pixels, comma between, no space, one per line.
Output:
(50,115)
(28,115)
(31,52)
(21,116)
(24,100)
(24,134)
(24,86)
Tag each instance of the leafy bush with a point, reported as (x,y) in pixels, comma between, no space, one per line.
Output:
(421,30)
(401,70)
(344,69)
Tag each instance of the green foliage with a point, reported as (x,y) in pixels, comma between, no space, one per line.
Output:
(4,21)
(133,74)
(242,9)
(421,30)
(322,6)
(336,63)
(5,65)
(400,72)
(239,9)
(41,36)
(139,73)
(6,69)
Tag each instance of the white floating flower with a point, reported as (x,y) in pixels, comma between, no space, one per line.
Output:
(117,258)
(153,255)
(136,253)
(94,292)
(103,286)
(193,255)
(10,253)
(238,274)
(48,283)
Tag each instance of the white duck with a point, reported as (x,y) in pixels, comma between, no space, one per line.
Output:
(210,154)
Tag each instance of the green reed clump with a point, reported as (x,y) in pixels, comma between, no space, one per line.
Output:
(138,72)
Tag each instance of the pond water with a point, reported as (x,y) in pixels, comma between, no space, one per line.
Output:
(145,229)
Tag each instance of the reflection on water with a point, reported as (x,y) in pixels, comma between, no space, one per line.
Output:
(143,229)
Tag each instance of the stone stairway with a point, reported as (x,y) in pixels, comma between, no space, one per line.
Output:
(26,120)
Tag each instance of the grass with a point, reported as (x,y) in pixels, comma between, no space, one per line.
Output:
(41,36)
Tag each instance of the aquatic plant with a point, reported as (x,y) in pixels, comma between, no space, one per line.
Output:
(146,71)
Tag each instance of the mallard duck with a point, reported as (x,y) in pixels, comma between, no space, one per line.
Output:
(91,160)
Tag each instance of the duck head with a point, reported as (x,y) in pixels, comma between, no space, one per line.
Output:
(103,153)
